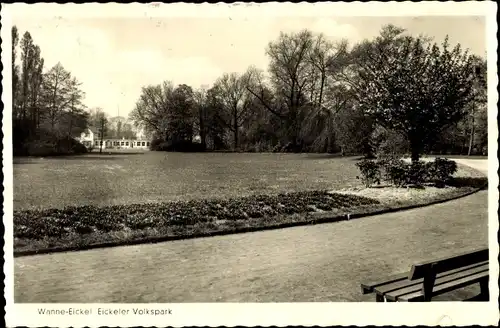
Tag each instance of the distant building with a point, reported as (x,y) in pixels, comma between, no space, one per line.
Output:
(90,139)
(87,138)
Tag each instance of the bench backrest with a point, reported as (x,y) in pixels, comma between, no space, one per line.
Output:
(421,270)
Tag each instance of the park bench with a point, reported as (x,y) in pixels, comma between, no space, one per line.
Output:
(428,279)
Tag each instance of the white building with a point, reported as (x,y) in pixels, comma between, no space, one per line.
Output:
(87,138)
(90,139)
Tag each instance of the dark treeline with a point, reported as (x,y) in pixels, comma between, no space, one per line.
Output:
(47,108)
(395,93)
(47,105)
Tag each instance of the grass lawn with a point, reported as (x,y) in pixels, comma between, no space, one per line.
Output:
(118,179)
(143,209)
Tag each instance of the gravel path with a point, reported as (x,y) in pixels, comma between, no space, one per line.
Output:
(313,263)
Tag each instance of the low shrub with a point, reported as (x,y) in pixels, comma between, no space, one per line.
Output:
(155,144)
(416,173)
(51,145)
(40,148)
(441,170)
(395,171)
(370,172)
(259,147)
(401,173)
(180,146)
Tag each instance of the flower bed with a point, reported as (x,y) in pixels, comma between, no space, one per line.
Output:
(70,226)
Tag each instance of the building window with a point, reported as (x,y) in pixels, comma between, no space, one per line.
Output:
(123,143)
(97,143)
(144,143)
(147,143)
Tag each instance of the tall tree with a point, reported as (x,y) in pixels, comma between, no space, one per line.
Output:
(151,111)
(181,115)
(58,89)
(215,127)
(166,111)
(119,125)
(76,115)
(31,81)
(479,91)
(99,122)
(15,70)
(234,96)
(302,73)
(326,60)
(409,85)
(289,74)
(202,108)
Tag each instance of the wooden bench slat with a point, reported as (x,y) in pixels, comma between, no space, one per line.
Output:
(385,288)
(446,287)
(449,263)
(367,288)
(447,279)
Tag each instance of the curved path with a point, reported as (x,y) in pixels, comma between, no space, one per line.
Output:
(312,263)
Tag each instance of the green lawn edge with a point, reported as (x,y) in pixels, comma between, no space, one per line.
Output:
(304,219)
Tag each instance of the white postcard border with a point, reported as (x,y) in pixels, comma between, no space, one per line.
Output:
(264,314)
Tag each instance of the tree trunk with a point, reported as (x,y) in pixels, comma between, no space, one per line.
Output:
(323,79)
(416,148)
(52,122)
(102,136)
(235,127)
(203,134)
(415,155)
(70,127)
(471,140)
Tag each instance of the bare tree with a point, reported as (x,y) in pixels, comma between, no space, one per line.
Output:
(76,108)
(233,94)
(200,98)
(326,59)
(152,109)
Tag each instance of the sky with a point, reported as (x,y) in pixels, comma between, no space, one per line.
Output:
(113,57)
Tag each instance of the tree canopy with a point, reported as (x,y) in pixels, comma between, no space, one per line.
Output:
(317,95)
(412,85)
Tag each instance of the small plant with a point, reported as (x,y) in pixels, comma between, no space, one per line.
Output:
(400,173)
(416,173)
(395,172)
(370,172)
(441,170)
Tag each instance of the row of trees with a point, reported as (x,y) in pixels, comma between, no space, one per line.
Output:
(47,108)
(396,91)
